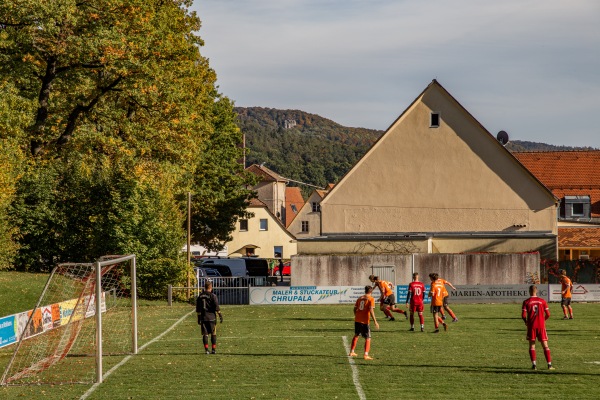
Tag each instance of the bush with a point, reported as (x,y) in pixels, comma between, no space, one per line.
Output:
(154,276)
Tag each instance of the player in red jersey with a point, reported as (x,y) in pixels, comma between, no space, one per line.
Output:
(414,301)
(387,300)
(566,292)
(364,310)
(535,312)
(436,292)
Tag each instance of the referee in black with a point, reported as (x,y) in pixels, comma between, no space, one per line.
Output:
(207,308)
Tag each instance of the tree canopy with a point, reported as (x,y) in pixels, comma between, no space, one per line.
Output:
(111,115)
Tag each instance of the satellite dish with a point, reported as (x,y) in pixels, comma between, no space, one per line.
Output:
(502,137)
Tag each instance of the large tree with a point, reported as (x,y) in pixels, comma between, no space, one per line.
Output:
(123,117)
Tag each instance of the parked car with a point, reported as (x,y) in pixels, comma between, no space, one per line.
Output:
(237,266)
(287,269)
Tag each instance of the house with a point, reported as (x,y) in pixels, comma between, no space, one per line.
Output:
(573,177)
(271,189)
(308,221)
(436,182)
(293,203)
(263,235)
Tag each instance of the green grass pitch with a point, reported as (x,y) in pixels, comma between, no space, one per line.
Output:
(298,352)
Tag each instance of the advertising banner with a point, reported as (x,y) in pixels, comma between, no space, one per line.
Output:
(581,292)
(402,292)
(493,293)
(44,319)
(8,330)
(306,294)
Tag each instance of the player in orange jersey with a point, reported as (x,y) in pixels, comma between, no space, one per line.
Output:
(387,300)
(446,305)
(535,312)
(364,310)
(436,292)
(566,292)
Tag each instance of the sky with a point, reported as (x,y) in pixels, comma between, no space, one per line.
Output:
(528,67)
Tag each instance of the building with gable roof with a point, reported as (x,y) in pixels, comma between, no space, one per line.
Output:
(437,182)
(270,189)
(574,179)
(263,235)
(308,221)
(293,203)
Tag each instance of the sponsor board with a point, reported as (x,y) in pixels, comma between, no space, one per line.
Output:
(306,294)
(493,293)
(46,318)
(8,330)
(581,292)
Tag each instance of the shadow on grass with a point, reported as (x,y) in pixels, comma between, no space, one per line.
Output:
(487,369)
(319,318)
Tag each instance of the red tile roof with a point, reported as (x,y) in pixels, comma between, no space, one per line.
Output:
(257,203)
(567,173)
(265,174)
(293,195)
(563,169)
(579,237)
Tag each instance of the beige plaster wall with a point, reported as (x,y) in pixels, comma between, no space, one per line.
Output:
(273,195)
(306,214)
(276,235)
(454,178)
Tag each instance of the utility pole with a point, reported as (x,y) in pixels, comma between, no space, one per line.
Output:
(189,241)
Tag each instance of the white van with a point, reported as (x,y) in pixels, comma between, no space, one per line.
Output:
(236,265)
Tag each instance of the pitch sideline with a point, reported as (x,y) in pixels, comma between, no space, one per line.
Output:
(113,369)
(357,385)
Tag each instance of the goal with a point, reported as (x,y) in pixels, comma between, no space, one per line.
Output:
(84,320)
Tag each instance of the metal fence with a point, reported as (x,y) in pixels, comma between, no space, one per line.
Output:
(229,290)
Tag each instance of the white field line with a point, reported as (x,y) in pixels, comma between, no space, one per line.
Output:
(359,389)
(193,339)
(113,369)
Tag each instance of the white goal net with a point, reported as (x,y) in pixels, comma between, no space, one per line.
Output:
(69,337)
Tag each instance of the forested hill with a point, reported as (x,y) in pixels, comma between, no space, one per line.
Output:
(302,146)
(315,150)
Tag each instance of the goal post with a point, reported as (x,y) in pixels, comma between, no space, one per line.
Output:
(85,318)
(104,261)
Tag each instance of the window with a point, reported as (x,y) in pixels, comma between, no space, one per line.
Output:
(294,209)
(264,224)
(278,251)
(435,120)
(304,226)
(243,224)
(577,209)
(316,207)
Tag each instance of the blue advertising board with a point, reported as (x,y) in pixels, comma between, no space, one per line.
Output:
(8,330)
(402,292)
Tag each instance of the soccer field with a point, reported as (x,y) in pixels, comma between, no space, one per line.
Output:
(300,352)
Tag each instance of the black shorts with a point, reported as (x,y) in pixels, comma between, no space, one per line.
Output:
(390,300)
(208,327)
(446,301)
(565,301)
(436,309)
(361,329)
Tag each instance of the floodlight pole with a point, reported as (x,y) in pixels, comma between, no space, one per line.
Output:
(98,323)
